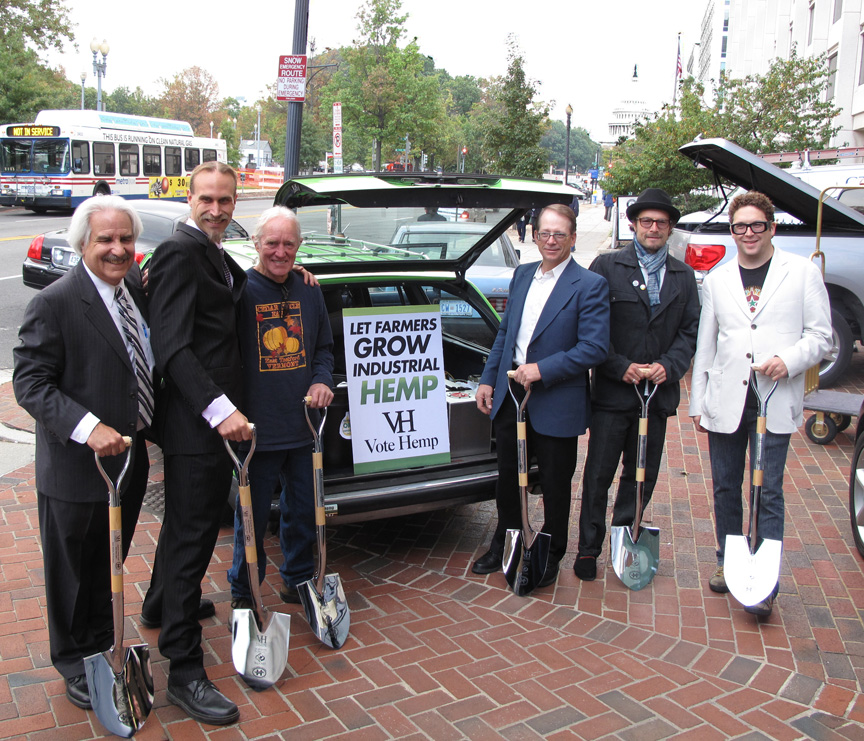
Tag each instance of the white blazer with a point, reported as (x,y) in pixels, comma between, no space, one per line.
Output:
(792,321)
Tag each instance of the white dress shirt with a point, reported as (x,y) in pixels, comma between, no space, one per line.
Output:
(538,294)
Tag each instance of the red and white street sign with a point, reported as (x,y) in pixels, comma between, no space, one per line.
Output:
(291,82)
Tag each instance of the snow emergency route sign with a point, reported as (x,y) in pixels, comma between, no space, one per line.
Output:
(291,83)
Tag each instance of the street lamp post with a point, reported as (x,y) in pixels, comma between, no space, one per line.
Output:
(99,67)
(83,78)
(569,111)
(211,129)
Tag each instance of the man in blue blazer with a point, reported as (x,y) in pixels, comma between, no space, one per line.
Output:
(555,329)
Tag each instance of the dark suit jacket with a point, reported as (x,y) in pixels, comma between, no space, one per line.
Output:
(71,360)
(571,336)
(194,338)
(667,337)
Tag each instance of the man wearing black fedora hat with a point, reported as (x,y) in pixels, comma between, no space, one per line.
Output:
(654,319)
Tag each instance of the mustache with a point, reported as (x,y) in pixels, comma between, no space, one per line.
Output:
(116,259)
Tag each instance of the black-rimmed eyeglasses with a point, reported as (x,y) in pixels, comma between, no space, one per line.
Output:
(757,227)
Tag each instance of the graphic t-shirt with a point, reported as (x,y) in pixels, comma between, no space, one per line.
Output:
(286,345)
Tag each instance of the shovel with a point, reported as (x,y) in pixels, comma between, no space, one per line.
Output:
(322,596)
(120,680)
(635,552)
(752,570)
(259,641)
(526,553)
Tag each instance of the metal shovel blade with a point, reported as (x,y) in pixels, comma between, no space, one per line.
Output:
(524,564)
(121,700)
(260,656)
(751,577)
(635,563)
(326,612)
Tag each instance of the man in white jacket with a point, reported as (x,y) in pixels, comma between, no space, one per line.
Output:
(767,308)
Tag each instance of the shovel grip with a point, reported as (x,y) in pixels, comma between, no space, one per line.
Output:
(318,460)
(248,525)
(320,516)
(115,523)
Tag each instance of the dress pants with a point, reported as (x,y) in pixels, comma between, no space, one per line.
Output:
(614,436)
(556,462)
(196,489)
(76,555)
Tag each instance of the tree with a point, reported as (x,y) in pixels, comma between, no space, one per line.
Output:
(28,86)
(41,24)
(516,123)
(782,109)
(385,91)
(193,96)
(137,103)
(582,149)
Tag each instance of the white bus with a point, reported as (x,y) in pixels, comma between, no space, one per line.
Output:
(64,157)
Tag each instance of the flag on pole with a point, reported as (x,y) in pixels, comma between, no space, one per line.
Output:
(679,70)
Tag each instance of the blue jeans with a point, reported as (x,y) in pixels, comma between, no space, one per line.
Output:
(727,470)
(293,469)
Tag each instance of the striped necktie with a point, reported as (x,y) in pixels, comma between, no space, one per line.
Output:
(229,279)
(142,371)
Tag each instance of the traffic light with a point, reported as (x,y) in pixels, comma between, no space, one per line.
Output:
(464,151)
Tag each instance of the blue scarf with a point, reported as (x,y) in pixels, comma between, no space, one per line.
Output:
(653,264)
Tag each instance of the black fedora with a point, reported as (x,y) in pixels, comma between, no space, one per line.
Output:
(653,198)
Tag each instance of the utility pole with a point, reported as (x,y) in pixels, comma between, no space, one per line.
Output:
(295,110)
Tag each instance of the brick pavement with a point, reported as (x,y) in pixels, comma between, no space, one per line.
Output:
(438,653)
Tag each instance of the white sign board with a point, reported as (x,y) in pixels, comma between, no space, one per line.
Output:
(291,81)
(337,137)
(396,391)
(625,234)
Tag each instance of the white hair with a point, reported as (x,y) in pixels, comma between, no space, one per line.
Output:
(78,233)
(275,212)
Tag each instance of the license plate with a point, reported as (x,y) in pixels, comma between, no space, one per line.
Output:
(64,258)
(456,308)
(26,189)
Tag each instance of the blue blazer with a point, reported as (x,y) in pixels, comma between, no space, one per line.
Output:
(571,337)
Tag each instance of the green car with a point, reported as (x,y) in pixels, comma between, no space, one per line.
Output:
(347,222)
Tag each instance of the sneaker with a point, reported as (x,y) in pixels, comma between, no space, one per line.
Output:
(763,608)
(289,595)
(717,583)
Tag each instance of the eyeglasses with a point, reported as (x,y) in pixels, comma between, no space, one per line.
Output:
(557,236)
(757,227)
(647,223)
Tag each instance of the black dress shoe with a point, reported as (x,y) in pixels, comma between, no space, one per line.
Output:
(289,595)
(585,568)
(488,563)
(203,702)
(78,692)
(550,575)
(206,609)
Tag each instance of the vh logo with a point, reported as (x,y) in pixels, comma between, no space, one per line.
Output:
(401,422)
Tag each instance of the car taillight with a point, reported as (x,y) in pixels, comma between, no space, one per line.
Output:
(464,216)
(35,250)
(499,304)
(704,256)
(139,256)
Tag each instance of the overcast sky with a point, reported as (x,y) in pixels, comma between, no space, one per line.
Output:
(581,52)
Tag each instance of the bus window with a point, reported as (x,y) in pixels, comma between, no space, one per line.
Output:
(16,156)
(152,160)
(172,161)
(80,157)
(103,158)
(209,155)
(128,159)
(51,156)
(193,159)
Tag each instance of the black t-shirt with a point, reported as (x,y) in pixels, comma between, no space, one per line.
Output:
(752,280)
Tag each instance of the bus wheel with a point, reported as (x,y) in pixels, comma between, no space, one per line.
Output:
(101,190)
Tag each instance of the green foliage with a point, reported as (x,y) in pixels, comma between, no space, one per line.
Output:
(582,149)
(42,24)
(192,96)
(28,86)
(784,109)
(515,123)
